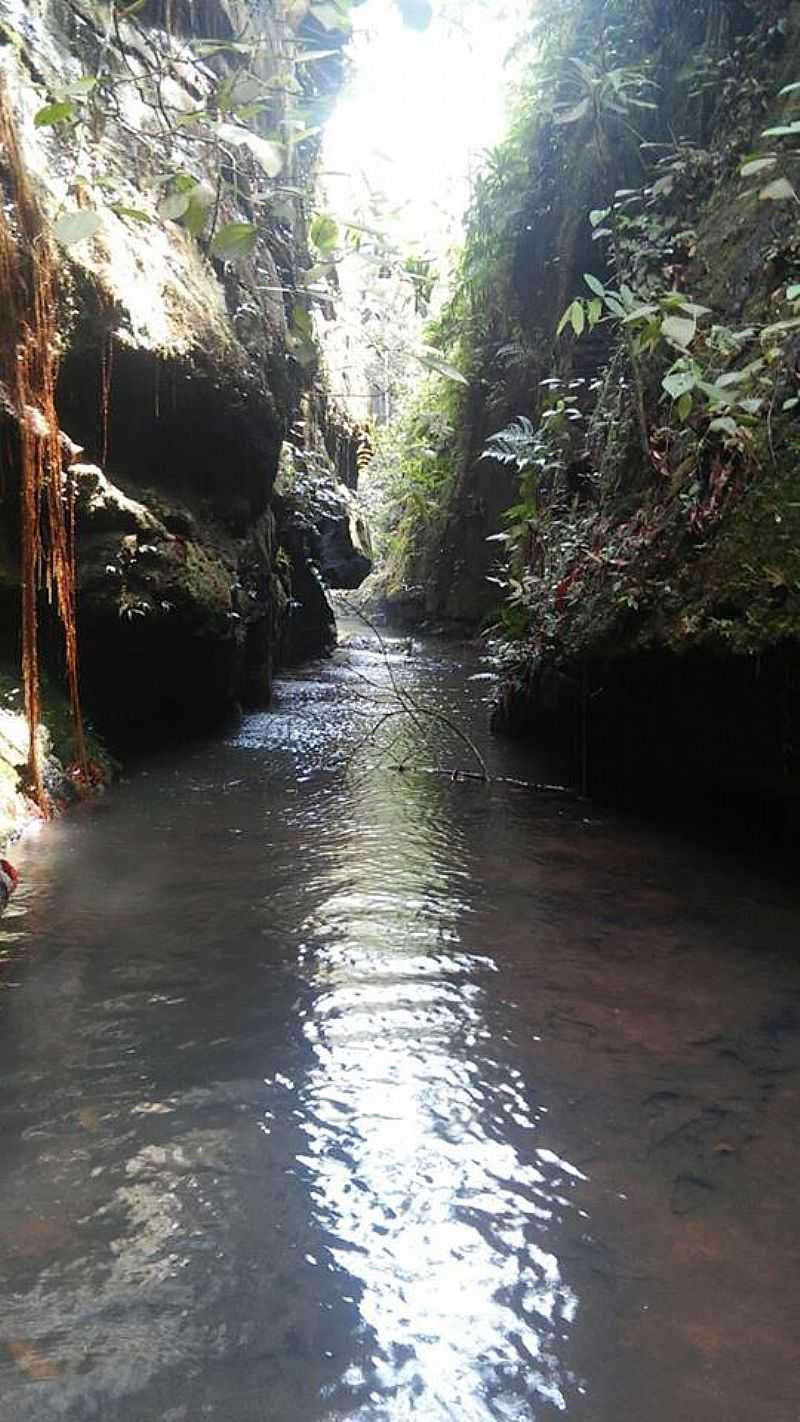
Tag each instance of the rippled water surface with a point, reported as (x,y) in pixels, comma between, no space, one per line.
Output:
(334,1092)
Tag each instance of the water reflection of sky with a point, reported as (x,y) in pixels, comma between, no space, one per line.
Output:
(439,1219)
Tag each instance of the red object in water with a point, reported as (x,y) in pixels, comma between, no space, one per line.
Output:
(9,878)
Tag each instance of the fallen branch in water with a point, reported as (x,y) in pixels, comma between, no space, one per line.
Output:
(408,707)
(455,775)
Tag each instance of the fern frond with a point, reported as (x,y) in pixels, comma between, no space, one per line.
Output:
(516,444)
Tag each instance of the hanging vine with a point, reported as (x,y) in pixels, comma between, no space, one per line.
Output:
(29,369)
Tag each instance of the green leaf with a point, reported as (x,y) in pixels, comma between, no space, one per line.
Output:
(196,216)
(778,327)
(724,424)
(598,215)
(135,214)
(324,233)
(77,226)
(647,338)
(783,130)
(678,330)
(247,113)
(173,206)
(793,292)
(731,377)
(716,394)
(594,311)
(573,112)
(788,89)
(779,191)
(690,307)
(577,317)
(640,312)
(55,113)
(436,363)
(663,186)
(235,240)
(185,183)
(756,165)
(196,116)
(302,324)
(678,383)
(201,198)
(237,89)
(81,87)
(684,406)
(594,284)
(268,154)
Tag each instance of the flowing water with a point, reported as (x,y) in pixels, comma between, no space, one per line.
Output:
(331,1092)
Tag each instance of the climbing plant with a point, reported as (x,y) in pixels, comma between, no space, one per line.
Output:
(28,368)
(662,120)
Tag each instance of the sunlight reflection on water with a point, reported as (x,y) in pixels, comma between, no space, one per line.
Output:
(442,1222)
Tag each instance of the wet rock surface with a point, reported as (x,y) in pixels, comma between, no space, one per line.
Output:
(178,382)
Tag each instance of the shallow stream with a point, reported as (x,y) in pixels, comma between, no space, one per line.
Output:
(331,1092)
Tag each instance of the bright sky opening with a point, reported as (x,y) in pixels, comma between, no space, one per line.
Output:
(418,111)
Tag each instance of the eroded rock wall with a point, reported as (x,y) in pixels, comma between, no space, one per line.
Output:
(181,371)
(653,589)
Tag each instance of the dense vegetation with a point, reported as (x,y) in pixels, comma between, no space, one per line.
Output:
(626,315)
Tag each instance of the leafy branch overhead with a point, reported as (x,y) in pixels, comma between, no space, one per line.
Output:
(228,119)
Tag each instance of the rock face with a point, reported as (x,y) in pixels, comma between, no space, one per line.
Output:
(323,532)
(181,608)
(653,588)
(181,370)
(345,543)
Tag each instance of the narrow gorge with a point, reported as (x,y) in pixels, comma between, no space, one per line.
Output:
(399,710)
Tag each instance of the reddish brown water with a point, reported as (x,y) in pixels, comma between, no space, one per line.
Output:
(329,1092)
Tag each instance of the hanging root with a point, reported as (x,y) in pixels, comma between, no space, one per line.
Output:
(106,370)
(29,369)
